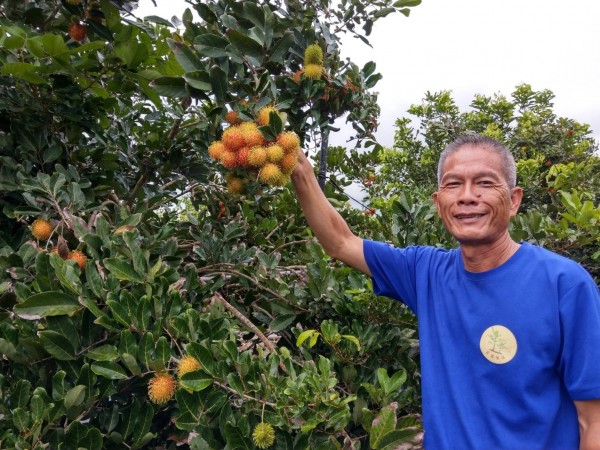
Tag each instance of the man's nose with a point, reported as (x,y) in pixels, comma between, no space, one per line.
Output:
(468,194)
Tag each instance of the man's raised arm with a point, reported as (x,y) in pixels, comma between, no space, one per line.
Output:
(327,224)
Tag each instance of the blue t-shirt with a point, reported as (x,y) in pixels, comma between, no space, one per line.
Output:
(504,352)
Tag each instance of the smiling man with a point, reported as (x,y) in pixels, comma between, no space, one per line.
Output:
(509,332)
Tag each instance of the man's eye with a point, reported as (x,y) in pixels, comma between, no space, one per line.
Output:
(486,183)
(452,184)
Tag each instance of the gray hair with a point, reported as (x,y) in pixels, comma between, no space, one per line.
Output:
(477,140)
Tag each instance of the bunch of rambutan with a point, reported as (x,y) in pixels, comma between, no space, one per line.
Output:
(244,148)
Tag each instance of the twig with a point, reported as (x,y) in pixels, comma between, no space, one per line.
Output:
(268,344)
(247,397)
(136,188)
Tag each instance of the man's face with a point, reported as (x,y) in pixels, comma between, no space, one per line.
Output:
(473,199)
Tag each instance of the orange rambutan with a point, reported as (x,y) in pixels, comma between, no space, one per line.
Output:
(297,77)
(232,118)
(235,185)
(274,152)
(229,159)
(79,257)
(41,229)
(263,115)
(161,388)
(269,173)
(288,162)
(242,156)
(289,141)
(187,364)
(216,149)
(257,156)
(254,137)
(232,138)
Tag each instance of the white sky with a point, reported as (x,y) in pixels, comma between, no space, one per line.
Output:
(475,47)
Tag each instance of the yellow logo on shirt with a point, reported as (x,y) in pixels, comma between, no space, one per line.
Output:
(498,344)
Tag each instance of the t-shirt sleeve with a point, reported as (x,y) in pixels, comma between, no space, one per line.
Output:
(580,353)
(393,271)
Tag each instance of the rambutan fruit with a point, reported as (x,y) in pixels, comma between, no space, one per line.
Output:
(297,77)
(313,55)
(77,31)
(232,138)
(289,141)
(187,364)
(161,388)
(288,162)
(254,137)
(79,257)
(263,435)
(216,149)
(229,159)
(242,156)
(274,152)
(263,115)
(313,71)
(269,173)
(282,180)
(235,186)
(232,118)
(257,156)
(41,229)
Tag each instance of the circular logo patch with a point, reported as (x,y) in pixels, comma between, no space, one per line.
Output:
(498,344)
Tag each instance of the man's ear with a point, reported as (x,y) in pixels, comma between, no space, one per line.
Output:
(434,197)
(516,196)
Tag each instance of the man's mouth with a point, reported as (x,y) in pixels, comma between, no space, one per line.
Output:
(468,216)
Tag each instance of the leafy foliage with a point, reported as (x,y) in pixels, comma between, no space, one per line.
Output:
(106,138)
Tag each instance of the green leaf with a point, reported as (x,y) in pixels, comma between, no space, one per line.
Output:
(211,45)
(44,273)
(394,438)
(407,3)
(185,56)
(54,45)
(384,423)
(139,262)
(109,369)
(119,312)
(105,352)
(146,349)
(196,381)
(282,47)
(25,71)
(368,69)
(46,304)
(20,419)
(122,270)
(245,45)
(21,393)
(131,363)
(218,82)
(66,274)
(352,339)
(282,322)
(94,280)
(169,87)
(75,396)
(236,439)
(305,335)
(57,345)
(132,53)
(198,80)
(162,351)
(203,355)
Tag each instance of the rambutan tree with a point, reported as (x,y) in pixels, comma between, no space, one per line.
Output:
(129,321)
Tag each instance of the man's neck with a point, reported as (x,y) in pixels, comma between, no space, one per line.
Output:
(479,258)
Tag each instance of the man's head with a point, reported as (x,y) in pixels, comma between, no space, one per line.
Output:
(476,140)
(477,195)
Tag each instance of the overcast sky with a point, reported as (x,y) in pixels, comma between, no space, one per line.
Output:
(476,46)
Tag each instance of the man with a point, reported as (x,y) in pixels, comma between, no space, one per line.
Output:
(509,332)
